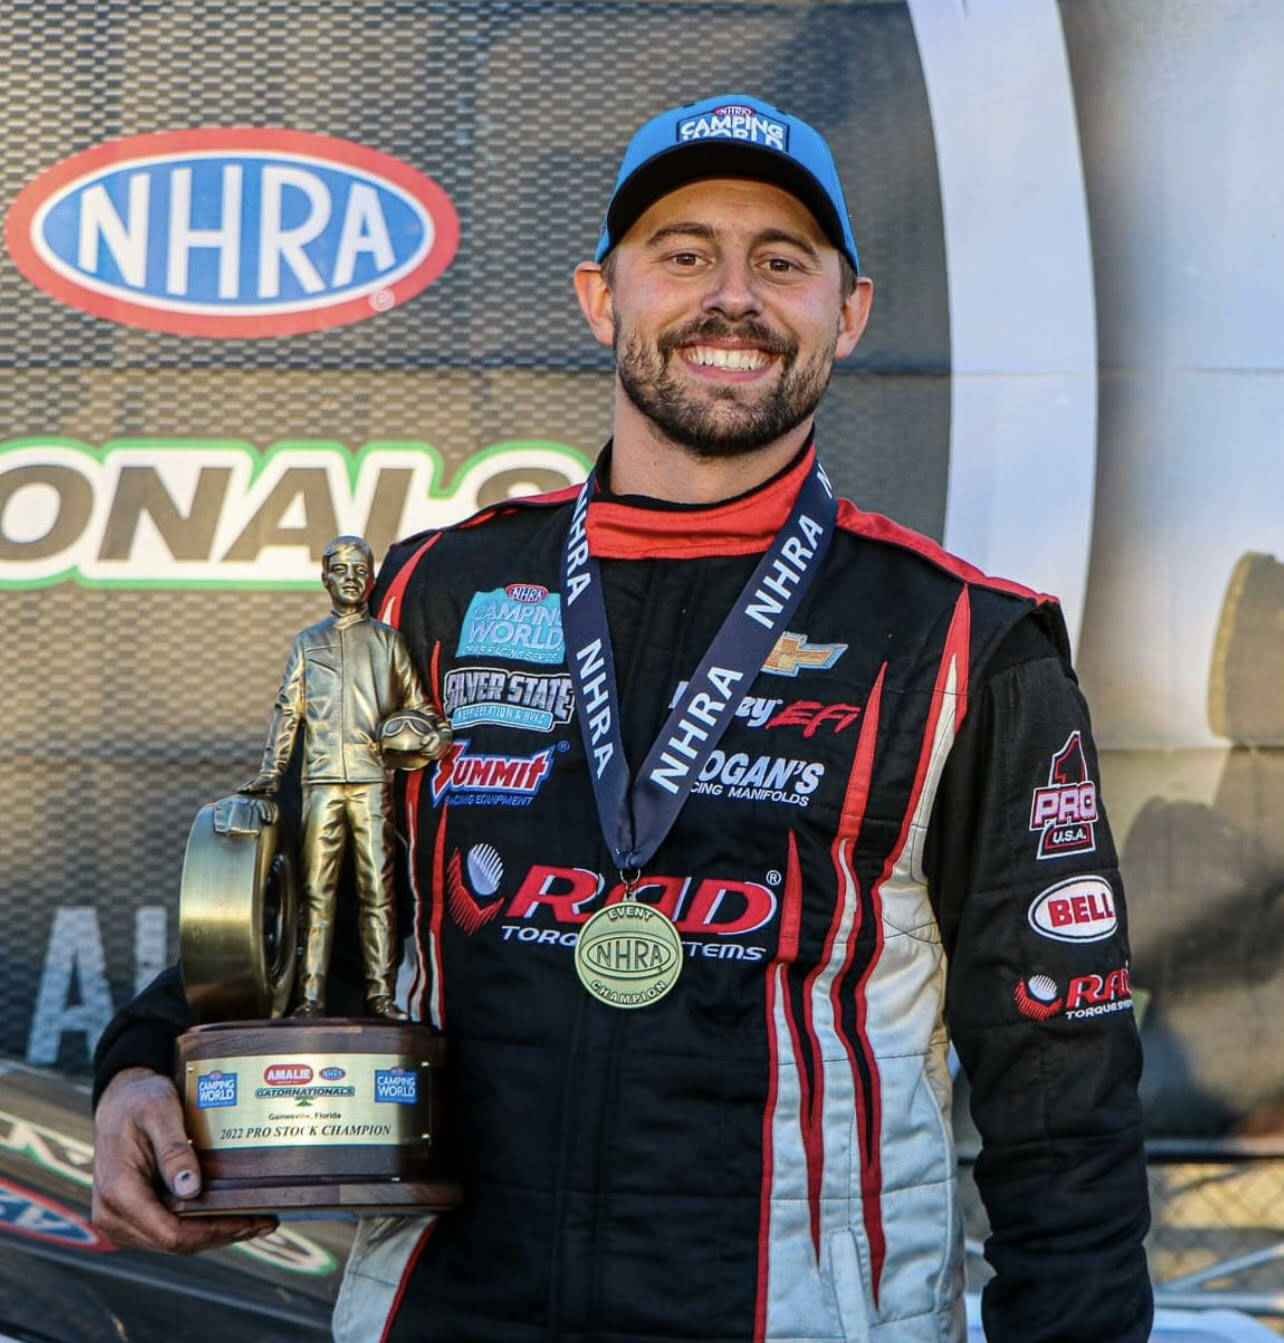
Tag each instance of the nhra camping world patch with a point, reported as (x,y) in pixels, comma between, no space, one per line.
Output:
(736,122)
(522,621)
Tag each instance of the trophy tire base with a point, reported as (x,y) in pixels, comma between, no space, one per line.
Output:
(314,1114)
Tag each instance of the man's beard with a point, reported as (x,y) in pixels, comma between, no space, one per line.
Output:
(722,426)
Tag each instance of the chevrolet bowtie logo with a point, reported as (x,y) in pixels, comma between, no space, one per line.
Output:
(792,651)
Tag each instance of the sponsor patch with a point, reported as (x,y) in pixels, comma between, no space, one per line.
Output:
(232,231)
(763,778)
(303,1095)
(484,872)
(287,1074)
(735,121)
(792,653)
(1039,997)
(397,1086)
(215,1089)
(809,714)
(708,906)
(535,701)
(1079,910)
(494,780)
(522,621)
(332,1074)
(1063,813)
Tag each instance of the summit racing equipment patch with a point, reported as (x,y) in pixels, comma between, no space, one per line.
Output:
(1064,812)
(522,621)
(490,780)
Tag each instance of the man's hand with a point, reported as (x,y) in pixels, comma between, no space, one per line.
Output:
(263,782)
(138,1133)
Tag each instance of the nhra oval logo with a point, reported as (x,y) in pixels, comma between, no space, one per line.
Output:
(629,953)
(526,592)
(287,1074)
(232,232)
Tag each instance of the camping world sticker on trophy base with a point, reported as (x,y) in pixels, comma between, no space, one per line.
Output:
(628,955)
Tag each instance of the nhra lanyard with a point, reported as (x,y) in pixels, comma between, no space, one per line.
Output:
(637,814)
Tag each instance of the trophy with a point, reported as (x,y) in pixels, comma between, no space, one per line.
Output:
(294,1109)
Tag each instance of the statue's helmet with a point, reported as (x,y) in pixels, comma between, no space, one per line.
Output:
(413,738)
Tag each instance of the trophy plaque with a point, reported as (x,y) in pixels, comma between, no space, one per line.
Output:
(307,1111)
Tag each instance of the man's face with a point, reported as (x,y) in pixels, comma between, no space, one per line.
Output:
(348,579)
(728,314)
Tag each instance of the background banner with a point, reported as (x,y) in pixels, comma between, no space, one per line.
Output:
(275,272)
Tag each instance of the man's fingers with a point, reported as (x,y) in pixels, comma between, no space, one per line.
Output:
(160,1120)
(207,1233)
(139,1134)
(131,1217)
(175,1160)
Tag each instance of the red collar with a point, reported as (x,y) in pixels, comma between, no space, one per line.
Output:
(745,525)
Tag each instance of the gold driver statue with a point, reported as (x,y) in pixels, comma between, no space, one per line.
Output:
(351,685)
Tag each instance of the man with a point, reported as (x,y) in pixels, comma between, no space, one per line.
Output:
(346,675)
(848,777)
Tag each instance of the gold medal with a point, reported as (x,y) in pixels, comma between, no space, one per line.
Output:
(628,954)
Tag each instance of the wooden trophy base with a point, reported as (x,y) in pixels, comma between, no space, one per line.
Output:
(314,1114)
(231,1198)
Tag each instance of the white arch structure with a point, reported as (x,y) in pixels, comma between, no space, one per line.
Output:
(1023,340)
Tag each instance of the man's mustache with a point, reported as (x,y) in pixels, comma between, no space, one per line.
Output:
(718,328)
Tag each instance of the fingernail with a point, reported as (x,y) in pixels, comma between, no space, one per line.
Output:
(185,1183)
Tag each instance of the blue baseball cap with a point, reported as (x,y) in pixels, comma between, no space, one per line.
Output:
(728,135)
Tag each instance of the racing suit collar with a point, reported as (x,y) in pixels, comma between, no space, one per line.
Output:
(631,527)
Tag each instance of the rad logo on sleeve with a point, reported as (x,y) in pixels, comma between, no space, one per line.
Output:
(1064,812)
(522,621)
(1039,996)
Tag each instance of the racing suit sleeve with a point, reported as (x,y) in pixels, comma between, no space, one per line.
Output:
(1024,878)
(142,1033)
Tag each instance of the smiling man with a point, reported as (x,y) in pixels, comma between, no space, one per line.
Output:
(820,798)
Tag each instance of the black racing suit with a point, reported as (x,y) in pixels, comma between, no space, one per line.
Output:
(899,833)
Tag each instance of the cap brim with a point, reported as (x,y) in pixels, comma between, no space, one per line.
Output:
(685,163)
